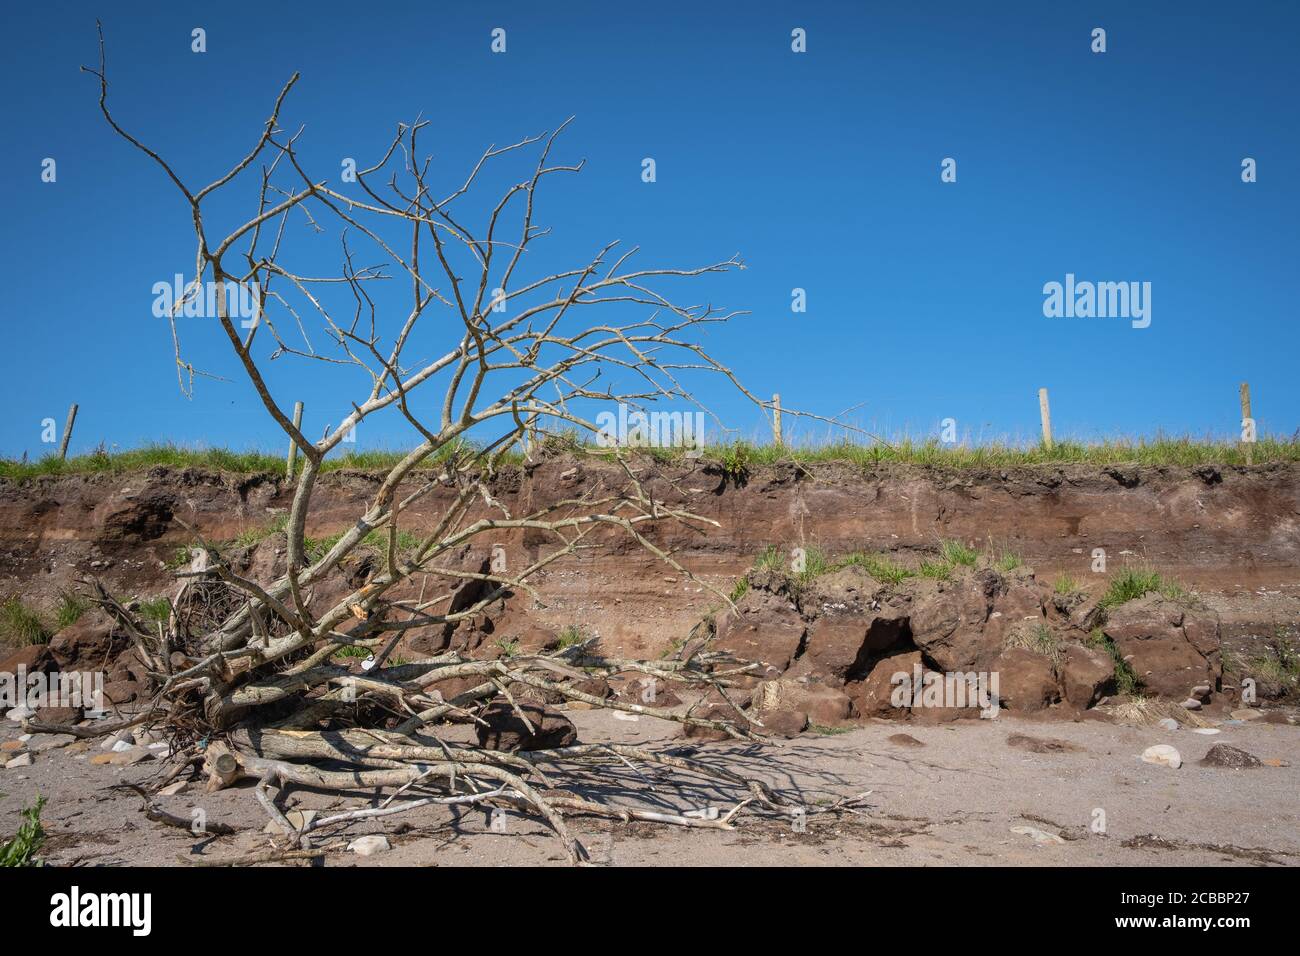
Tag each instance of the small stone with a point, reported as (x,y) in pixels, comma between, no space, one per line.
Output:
(174,788)
(1163,755)
(22,760)
(1191,703)
(129,757)
(1246,714)
(121,746)
(45,742)
(1202,692)
(1234,758)
(1041,837)
(11,746)
(1168,723)
(100,760)
(19,713)
(905,740)
(370,845)
(1206,731)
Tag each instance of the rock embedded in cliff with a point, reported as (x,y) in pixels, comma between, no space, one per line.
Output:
(874,695)
(1086,675)
(948,619)
(1026,681)
(92,640)
(768,631)
(1169,646)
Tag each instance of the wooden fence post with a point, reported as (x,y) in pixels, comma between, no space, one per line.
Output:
(1045,413)
(776,418)
(293,445)
(67,432)
(1247,423)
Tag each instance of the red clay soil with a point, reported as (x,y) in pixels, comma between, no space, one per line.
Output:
(1233,532)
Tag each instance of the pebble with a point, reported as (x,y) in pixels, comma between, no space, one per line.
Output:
(1163,755)
(22,760)
(370,845)
(50,742)
(1207,731)
(130,756)
(1246,714)
(1191,703)
(1168,723)
(20,713)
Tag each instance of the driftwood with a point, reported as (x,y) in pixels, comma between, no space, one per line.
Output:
(252,682)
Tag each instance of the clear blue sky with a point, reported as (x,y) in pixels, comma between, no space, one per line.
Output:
(821,169)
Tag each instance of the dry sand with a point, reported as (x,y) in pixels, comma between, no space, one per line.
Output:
(953,799)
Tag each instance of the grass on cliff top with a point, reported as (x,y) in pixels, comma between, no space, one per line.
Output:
(738,457)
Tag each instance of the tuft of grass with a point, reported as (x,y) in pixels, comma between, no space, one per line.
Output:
(1126,680)
(1008,561)
(1040,639)
(353,651)
(878,566)
(407,541)
(1134,582)
(26,843)
(740,590)
(156,610)
(769,559)
(572,634)
(20,626)
(69,609)
(509,645)
(735,461)
(815,564)
(1279,663)
(251,536)
(826,731)
(377,541)
(180,558)
(940,570)
(1065,585)
(956,553)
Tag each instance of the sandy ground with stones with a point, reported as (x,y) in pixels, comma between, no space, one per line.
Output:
(940,795)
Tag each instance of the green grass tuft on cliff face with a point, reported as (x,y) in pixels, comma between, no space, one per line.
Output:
(1178,452)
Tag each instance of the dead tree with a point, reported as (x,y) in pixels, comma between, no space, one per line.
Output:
(256,693)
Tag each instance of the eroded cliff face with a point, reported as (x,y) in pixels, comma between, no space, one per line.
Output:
(1213,528)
